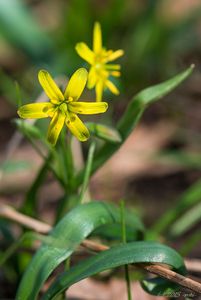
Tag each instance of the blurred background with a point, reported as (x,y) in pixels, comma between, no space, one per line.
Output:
(162,159)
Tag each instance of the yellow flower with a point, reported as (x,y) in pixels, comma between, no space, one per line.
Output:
(63,107)
(98,58)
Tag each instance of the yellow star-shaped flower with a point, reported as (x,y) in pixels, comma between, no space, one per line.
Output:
(63,107)
(98,58)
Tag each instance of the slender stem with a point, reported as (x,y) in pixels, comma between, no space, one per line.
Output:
(87,172)
(65,159)
(69,161)
(67,168)
(123,224)
(123,228)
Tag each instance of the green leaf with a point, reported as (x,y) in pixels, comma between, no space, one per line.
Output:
(187,221)
(136,252)
(133,114)
(134,227)
(160,287)
(104,132)
(113,232)
(190,197)
(63,240)
(19,27)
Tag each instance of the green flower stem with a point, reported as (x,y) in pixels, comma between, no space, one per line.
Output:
(69,162)
(127,276)
(66,163)
(67,170)
(87,171)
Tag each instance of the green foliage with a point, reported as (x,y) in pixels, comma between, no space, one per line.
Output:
(186,221)
(20,28)
(136,252)
(62,242)
(189,198)
(81,221)
(154,47)
(133,113)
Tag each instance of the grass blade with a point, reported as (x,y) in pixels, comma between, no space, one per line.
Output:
(136,252)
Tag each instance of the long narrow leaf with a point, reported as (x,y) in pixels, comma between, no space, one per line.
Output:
(62,241)
(133,114)
(187,221)
(137,252)
(189,198)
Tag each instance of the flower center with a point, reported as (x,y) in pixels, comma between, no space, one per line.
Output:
(98,67)
(99,59)
(63,107)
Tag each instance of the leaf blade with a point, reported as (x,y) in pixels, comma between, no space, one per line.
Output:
(133,114)
(137,252)
(62,241)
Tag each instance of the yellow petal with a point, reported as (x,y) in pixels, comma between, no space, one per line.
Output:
(36,110)
(84,52)
(97,38)
(55,127)
(112,67)
(115,73)
(112,87)
(99,90)
(50,87)
(92,78)
(115,55)
(76,84)
(88,108)
(77,128)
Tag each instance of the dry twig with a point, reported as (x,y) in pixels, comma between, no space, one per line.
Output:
(10,213)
